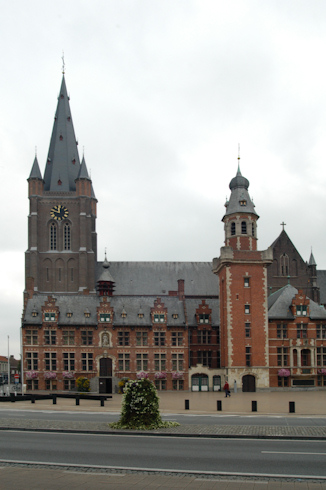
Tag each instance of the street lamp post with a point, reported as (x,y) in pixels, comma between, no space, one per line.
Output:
(8,388)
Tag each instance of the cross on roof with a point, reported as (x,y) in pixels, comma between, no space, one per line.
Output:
(283,224)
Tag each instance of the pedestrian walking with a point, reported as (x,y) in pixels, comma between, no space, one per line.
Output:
(226,389)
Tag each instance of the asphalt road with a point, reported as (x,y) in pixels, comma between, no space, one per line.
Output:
(291,421)
(232,456)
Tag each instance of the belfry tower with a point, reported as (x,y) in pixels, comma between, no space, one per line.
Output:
(62,243)
(242,273)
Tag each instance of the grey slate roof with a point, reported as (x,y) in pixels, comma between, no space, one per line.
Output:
(83,173)
(279,305)
(35,172)
(158,278)
(63,150)
(239,192)
(321,283)
(131,305)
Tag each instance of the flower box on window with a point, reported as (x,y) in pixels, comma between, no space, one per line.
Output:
(322,372)
(68,375)
(142,375)
(177,375)
(31,374)
(50,375)
(160,375)
(284,373)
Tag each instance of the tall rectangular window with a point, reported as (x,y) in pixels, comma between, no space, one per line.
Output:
(159,318)
(50,337)
(204,337)
(141,338)
(53,237)
(87,361)
(177,339)
(204,358)
(69,361)
(160,362)
(50,361)
(68,337)
(142,361)
(159,339)
(247,330)
(302,331)
(124,361)
(67,237)
(123,338)
(87,337)
(248,356)
(203,318)
(32,361)
(247,309)
(31,337)
(177,362)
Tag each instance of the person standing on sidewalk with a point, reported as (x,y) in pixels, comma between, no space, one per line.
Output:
(226,389)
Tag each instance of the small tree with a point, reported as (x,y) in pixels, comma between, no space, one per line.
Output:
(140,407)
(82,384)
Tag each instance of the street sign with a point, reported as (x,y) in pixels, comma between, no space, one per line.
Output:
(16,376)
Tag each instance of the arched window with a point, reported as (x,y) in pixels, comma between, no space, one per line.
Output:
(253,229)
(233,228)
(67,237)
(284,262)
(244,227)
(53,236)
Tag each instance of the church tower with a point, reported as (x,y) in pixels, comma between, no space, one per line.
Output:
(62,242)
(242,273)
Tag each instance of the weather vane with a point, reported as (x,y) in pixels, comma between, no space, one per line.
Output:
(63,63)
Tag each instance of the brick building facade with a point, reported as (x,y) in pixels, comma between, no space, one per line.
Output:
(189,325)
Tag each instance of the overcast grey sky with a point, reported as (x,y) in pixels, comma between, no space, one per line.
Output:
(161,93)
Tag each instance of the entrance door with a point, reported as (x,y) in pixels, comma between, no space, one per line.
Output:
(105,366)
(105,385)
(248,383)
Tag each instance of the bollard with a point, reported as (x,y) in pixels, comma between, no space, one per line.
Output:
(32,399)
(12,397)
(254,406)
(77,400)
(219,405)
(186,404)
(291,407)
(102,402)
(54,399)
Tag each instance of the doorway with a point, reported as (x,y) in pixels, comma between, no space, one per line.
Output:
(249,383)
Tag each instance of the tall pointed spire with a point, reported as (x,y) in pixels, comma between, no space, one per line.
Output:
(63,165)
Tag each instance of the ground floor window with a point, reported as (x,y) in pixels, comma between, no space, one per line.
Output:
(177,384)
(321,380)
(282,381)
(32,384)
(160,384)
(50,384)
(69,384)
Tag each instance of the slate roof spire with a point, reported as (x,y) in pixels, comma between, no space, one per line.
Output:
(35,172)
(63,165)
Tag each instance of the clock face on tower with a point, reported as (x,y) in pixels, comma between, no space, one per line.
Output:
(59,212)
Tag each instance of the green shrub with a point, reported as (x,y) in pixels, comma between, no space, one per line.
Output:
(82,384)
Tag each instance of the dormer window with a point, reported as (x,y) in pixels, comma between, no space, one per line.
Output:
(243,203)
(49,316)
(159,318)
(301,310)
(123,314)
(105,317)
(175,316)
(140,315)
(203,318)
(69,314)
(34,312)
(87,313)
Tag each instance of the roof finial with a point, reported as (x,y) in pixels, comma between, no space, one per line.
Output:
(105,253)
(63,63)
(35,151)
(238,157)
(283,224)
